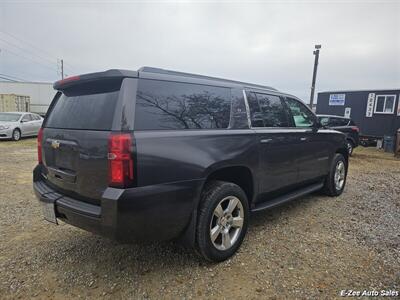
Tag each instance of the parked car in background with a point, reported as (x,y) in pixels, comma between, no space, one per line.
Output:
(14,125)
(345,125)
(161,155)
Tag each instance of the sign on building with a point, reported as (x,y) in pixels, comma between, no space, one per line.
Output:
(347,112)
(370,105)
(337,99)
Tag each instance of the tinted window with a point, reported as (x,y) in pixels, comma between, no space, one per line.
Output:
(89,111)
(273,111)
(173,105)
(256,115)
(302,116)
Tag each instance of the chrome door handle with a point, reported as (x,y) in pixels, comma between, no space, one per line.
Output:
(303,139)
(264,141)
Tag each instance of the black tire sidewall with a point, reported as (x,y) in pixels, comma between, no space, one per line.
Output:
(330,186)
(219,191)
(349,143)
(13,135)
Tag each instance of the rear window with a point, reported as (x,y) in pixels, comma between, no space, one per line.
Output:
(174,105)
(83,108)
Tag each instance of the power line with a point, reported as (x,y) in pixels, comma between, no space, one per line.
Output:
(8,79)
(26,51)
(26,42)
(71,68)
(28,58)
(13,77)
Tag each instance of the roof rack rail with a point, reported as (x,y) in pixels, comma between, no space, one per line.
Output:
(177,73)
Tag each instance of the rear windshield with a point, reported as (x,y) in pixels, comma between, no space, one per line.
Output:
(90,110)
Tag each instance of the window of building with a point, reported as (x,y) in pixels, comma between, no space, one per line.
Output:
(384,104)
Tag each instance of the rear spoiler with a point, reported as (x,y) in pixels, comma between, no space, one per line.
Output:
(85,78)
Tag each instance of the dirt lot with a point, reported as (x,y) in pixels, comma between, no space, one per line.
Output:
(311,248)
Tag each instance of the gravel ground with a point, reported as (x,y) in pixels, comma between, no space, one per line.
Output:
(311,248)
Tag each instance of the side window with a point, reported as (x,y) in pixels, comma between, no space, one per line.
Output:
(174,105)
(255,110)
(266,110)
(273,111)
(302,116)
(26,118)
(34,117)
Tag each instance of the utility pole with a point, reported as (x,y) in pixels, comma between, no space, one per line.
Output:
(62,69)
(314,77)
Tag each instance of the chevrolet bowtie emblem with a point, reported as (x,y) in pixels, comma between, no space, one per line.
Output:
(55,144)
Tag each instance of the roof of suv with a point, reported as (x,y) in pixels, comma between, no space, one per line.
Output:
(150,72)
(197,76)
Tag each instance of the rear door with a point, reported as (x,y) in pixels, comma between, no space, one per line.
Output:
(277,152)
(75,139)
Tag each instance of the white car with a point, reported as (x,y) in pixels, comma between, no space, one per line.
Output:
(14,125)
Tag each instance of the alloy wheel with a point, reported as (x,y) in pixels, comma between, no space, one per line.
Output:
(226,223)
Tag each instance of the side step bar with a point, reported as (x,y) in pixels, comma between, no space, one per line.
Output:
(288,197)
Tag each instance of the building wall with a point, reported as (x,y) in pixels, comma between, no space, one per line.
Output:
(376,125)
(40,93)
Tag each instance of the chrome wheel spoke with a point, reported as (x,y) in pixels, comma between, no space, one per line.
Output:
(237,222)
(215,232)
(232,205)
(226,240)
(219,212)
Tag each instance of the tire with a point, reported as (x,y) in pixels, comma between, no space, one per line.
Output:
(333,187)
(227,226)
(350,147)
(16,135)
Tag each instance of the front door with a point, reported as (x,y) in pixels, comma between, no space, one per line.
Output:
(277,156)
(311,144)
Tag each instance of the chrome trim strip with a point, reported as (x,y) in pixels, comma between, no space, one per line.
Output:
(246,103)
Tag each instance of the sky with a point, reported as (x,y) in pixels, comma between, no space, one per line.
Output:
(262,42)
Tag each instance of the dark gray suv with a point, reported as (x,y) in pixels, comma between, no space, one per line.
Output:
(158,154)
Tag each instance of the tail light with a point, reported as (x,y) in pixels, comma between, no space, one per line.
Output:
(39,145)
(355,128)
(120,160)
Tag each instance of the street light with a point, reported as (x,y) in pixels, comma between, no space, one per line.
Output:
(316,54)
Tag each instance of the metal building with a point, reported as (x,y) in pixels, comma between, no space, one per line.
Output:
(40,93)
(376,112)
(12,102)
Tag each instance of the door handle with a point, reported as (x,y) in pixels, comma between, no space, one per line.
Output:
(264,141)
(303,139)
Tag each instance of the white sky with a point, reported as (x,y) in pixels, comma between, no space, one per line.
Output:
(264,42)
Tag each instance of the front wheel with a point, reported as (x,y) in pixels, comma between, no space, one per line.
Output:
(222,221)
(16,135)
(336,179)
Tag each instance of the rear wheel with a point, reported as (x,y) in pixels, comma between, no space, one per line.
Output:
(16,135)
(336,179)
(222,222)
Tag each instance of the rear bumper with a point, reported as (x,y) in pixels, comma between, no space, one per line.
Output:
(157,212)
